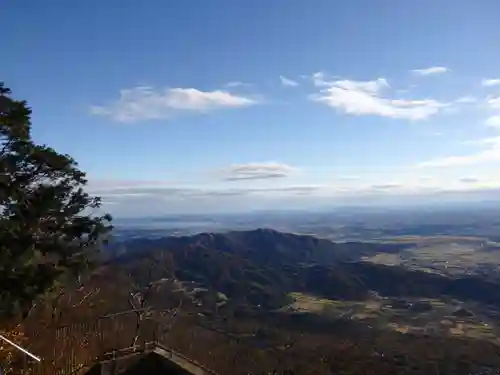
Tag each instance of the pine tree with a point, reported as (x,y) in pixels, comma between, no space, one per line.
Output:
(47,229)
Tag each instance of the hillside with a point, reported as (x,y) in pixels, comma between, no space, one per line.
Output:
(261,267)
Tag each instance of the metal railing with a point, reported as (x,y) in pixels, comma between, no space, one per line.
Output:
(154,346)
(74,348)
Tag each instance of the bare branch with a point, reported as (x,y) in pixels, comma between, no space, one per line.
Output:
(87,296)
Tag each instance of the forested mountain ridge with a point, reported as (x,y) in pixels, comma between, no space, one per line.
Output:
(259,242)
(263,266)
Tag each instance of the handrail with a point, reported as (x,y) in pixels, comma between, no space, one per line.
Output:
(153,345)
(159,345)
(101,342)
(21,349)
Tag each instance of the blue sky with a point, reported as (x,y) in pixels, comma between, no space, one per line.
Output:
(225,105)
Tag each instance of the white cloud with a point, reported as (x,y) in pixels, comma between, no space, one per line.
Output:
(236,84)
(349,178)
(490,82)
(469,180)
(365,98)
(320,79)
(181,192)
(288,82)
(490,141)
(367,86)
(431,70)
(146,103)
(384,187)
(426,178)
(494,104)
(466,100)
(257,171)
(489,153)
(452,161)
(493,121)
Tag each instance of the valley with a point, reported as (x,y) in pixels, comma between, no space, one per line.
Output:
(414,316)
(444,255)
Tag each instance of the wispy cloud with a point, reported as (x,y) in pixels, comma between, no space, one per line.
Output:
(257,171)
(236,84)
(137,200)
(452,161)
(431,70)
(146,103)
(491,82)
(139,192)
(489,152)
(493,121)
(349,178)
(466,100)
(288,82)
(469,180)
(321,79)
(493,103)
(384,187)
(365,98)
(112,184)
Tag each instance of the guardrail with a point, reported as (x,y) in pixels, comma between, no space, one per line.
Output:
(188,364)
(73,349)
